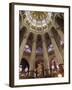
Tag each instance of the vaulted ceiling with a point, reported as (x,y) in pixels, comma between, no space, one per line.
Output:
(41,23)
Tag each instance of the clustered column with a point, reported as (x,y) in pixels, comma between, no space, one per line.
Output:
(45,55)
(60,33)
(32,58)
(22,21)
(22,46)
(57,52)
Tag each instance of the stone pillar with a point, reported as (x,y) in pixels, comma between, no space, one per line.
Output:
(22,21)
(60,33)
(57,52)
(22,46)
(45,55)
(32,58)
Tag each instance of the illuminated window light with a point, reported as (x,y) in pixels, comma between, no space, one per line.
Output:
(20,69)
(61,42)
(28,50)
(50,49)
(51,45)
(26,46)
(26,69)
(57,67)
(59,75)
(39,50)
(52,67)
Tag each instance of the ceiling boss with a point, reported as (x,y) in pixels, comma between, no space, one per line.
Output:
(39,21)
